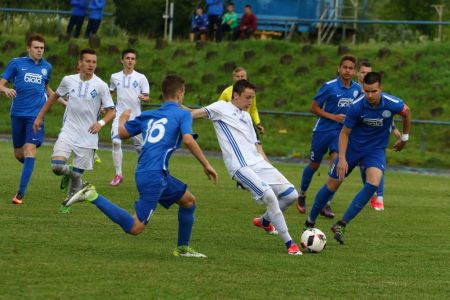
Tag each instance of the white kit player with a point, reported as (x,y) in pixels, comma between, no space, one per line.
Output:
(87,93)
(245,163)
(131,88)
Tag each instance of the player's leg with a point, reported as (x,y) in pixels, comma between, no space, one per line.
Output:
(327,212)
(263,193)
(378,202)
(117,154)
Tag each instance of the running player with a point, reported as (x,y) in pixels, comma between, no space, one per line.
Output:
(131,87)
(30,76)
(163,130)
(330,105)
(245,163)
(79,134)
(363,140)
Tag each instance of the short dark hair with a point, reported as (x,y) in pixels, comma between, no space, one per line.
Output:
(35,37)
(129,50)
(240,86)
(349,58)
(231,3)
(170,85)
(372,77)
(364,63)
(86,51)
(248,5)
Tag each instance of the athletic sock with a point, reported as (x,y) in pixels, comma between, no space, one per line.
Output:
(117,156)
(264,221)
(185,223)
(76,180)
(289,243)
(323,196)
(359,201)
(308,174)
(380,189)
(27,171)
(117,214)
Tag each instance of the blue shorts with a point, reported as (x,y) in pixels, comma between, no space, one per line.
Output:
(375,158)
(22,132)
(156,187)
(322,142)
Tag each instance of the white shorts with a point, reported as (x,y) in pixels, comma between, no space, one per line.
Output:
(137,140)
(82,157)
(261,177)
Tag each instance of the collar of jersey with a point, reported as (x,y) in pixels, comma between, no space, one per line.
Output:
(28,58)
(170,103)
(341,84)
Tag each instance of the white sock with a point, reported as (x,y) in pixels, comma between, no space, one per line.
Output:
(275,215)
(284,203)
(117,155)
(380,199)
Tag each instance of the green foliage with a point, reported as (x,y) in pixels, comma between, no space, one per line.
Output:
(401,253)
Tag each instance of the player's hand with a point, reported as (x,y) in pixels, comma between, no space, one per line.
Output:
(125,116)
(342,168)
(399,144)
(37,124)
(95,128)
(10,93)
(340,118)
(211,173)
(144,98)
(260,128)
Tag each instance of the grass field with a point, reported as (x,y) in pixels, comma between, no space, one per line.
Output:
(403,252)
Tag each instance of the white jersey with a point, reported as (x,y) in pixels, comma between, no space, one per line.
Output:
(128,88)
(236,135)
(83,107)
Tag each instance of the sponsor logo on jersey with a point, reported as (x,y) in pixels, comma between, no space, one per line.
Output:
(93,93)
(345,102)
(386,114)
(373,122)
(44,72)
(33,78)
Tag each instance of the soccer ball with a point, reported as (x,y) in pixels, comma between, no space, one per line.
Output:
(313,240)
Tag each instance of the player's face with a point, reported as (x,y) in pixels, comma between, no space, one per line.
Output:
(362,72)
(88,63)
(239,76)
(347,70)
(36,50)
(244,100)
(129,60)
(372,92)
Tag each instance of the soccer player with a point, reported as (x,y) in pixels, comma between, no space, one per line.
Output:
(330,105)
(377,201)
(245,163)
(131,87)
(30,76)
(363,140)
(79,134)
(163,130)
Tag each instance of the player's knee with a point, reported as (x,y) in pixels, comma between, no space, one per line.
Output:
(314,165)
(58,169)
(290,195)
(137,228)
(187,201)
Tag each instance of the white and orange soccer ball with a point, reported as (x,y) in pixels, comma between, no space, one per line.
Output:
(313,240)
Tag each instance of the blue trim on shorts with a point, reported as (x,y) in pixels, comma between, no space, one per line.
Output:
(287,192)
(249,183)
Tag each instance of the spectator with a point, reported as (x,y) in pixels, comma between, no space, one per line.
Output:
(215,10)
(248,24)
(95,16)
(199,24)
(77,16)
(230,20)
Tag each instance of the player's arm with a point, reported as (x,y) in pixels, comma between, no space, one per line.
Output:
(395,131)
(108,117)
(199,113)
(260,150)
(342,166)
(406,115)
(10,93)
(317,110)
(194,148)
(124,117)
(144,97)
(52,99)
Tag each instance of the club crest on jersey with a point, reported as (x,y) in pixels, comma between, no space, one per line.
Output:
(93,93)
(135,84)
(386,114)
(44,72)
(355,93)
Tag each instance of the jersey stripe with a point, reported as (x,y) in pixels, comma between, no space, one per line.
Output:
(391,99)
(233,143)
(249,183)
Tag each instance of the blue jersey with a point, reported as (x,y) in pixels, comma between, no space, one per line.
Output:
(334,98)
(162,131)
(370,125)
(29,81)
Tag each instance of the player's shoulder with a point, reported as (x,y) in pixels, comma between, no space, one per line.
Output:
(46,63)
(331,82)
(117,74)
(99,81)
(391,98)
(71,78)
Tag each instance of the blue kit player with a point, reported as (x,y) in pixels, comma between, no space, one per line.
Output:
(330,105)
(163,130)
(30,76)
(363,141)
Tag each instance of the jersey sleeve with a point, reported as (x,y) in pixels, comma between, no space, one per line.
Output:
(107,101)
(49,74)
(214,110)
(352,116)
(134,127)
(63,88)
(398,107)
(145,86)
(112,84)
(322,95)
(186,123)
(10,71)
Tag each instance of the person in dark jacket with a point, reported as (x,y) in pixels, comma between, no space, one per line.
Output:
(77,17)
(95,16)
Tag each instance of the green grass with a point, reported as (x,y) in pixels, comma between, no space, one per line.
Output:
(402,252)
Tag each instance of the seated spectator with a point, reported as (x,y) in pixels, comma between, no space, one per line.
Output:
(248,24)
(230,20)
(199,25)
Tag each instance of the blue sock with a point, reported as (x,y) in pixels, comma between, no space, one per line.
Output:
(288,243)
(27,171)
(308,174)
(115,213)
(322,197)
(265,222)
(185,223)
(363,174)
(380,189)
(359,202)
